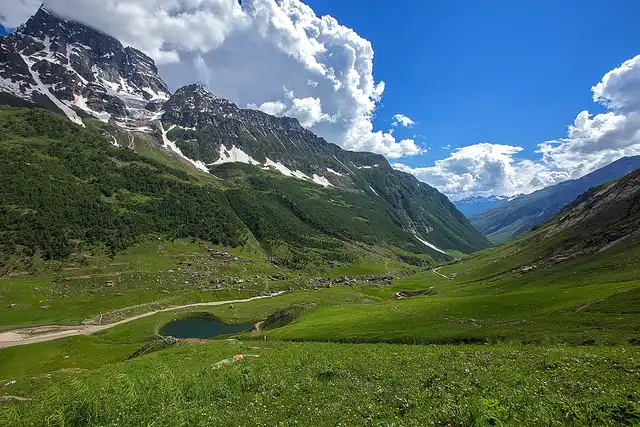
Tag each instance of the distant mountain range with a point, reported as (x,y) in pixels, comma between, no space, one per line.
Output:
(509,219)
(98,83)
(471,205)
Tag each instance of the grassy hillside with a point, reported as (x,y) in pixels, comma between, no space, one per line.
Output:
(67,189)
(523,213)
(68,192)
(576,279)
(591,300)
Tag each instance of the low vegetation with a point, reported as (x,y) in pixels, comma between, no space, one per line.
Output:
(325,384)
(366,333)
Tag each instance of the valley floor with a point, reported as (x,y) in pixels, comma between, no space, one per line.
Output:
(495,345)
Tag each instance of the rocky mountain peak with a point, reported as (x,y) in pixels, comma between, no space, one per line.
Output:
(65,65)
(196,98)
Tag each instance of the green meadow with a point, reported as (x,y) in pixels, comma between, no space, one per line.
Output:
(555,345)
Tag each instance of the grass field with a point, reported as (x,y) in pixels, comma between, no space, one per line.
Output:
(547,345)
(162,272)
(588,300)
(347,384)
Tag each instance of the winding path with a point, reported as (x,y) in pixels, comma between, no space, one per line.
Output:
(50,333)
(435,270)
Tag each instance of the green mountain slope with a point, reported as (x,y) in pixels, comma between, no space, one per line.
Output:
(67,189)
(87,74)
(521,214)
(574,279)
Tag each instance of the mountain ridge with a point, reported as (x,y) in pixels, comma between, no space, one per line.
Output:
(523,213)
(474,204)
(45,64)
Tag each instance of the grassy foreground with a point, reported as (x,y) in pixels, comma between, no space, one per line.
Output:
(348,384)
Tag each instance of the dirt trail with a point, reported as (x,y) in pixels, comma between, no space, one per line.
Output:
(49,333)
(435,270)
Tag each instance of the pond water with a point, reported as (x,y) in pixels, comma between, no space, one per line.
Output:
(203,328)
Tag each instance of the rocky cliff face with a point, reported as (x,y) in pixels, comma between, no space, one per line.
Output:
(600,219)
(79,72)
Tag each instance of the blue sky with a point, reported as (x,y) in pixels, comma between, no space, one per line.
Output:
(500,71)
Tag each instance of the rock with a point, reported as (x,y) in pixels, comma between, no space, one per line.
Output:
(13,399)
(12,305)
(10,383)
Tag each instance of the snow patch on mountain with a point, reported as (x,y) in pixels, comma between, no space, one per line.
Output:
(321,180)
(234,155)
(155,96)
(270,164)
(424,242)
(13,88)
(81,103)
(374,191)
(334,172)
(172,145)
(301,175)
(45,91)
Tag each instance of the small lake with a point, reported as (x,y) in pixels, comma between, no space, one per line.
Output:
(203,328)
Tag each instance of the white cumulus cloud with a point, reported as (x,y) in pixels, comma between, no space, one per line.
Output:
(247,52)
(484,169)
(596,140)
(402,120)
(592,141)
(16,12)
(275,108)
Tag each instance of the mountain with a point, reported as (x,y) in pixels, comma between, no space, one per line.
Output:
(601,219)
(275,183)
(214,131)
(471,205)
(67,67)
(517,216)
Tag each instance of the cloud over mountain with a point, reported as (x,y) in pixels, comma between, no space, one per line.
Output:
(279,56)
(15,12)
(592,142)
